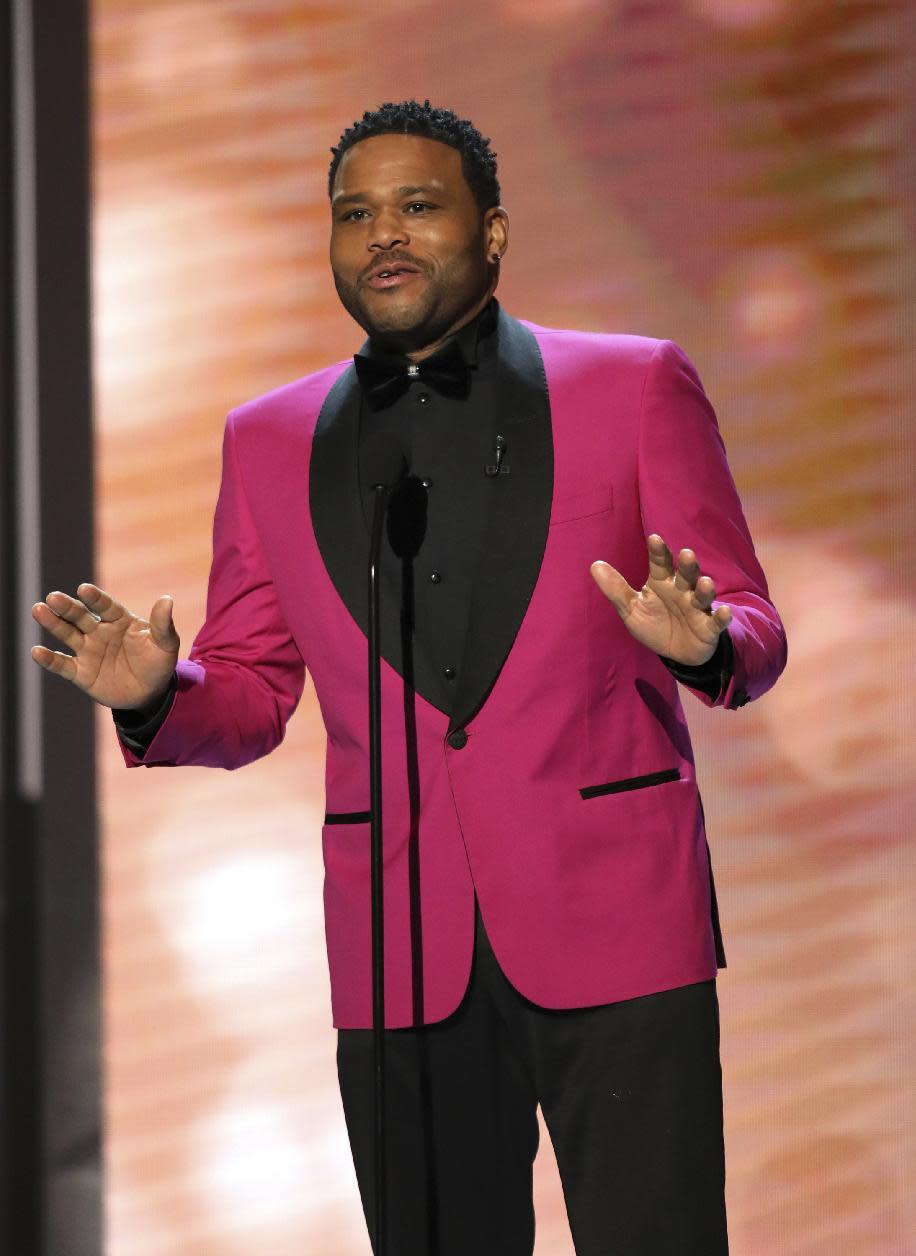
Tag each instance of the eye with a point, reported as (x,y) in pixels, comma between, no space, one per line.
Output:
(352,215)
(416,207)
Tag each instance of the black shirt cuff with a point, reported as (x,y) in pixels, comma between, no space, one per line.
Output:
(712,677)
(139,726)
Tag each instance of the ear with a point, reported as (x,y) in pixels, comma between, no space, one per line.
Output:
(496,232)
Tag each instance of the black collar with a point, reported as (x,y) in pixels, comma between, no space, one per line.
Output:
(384,377)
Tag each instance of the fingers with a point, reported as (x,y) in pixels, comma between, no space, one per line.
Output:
(662,567)
(53,661)
(72,620)
(100,603)
(73,611)
(45,615)
(688,571)
(83,613)
(704,593)
(661,564)
(614,587)
(162,625)
(722,616)
(687,577)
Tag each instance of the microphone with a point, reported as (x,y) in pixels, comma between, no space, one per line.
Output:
(382,467)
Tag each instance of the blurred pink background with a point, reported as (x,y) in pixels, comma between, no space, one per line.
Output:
(736,175)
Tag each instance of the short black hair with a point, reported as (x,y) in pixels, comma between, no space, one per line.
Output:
(409,117)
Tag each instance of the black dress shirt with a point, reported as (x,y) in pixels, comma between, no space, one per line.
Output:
(441,508)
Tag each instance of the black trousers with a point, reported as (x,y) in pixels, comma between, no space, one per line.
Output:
(631,1093)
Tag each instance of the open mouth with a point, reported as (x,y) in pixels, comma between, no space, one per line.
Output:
(393,276)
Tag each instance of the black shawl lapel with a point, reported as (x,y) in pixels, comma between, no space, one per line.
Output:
(516,527)
(342,535)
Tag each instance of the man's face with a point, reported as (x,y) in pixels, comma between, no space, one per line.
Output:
(410,250)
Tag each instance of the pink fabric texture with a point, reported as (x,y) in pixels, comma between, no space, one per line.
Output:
(586,901)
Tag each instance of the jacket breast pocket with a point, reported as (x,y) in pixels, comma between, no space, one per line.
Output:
(631,782)
(591,501)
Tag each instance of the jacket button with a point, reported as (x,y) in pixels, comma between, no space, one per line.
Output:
(458,739)
(435,577)
(449,673)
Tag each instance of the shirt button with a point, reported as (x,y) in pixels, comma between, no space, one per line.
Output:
(458,739)
(426,482)
(435,577)
(448,673)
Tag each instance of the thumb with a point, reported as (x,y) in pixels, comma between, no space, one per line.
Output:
(613,586)
(161,624)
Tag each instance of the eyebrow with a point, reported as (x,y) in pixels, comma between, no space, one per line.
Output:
(352,197)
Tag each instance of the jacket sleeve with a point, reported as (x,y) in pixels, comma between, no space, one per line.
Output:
(688,496)
(244,674)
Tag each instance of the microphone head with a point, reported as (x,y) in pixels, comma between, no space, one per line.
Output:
(381,462)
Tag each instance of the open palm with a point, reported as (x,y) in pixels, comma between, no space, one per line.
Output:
(116,657)
(672,613)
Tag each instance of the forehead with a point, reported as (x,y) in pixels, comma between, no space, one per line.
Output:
(383,162)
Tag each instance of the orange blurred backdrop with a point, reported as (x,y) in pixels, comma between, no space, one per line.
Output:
(732,174)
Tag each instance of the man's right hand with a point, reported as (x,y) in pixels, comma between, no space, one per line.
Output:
(118,658)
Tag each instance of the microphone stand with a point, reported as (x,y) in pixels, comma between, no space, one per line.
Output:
(378,917)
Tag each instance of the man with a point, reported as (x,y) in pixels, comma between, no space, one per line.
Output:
(551,933)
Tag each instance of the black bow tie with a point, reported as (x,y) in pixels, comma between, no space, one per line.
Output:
(384,380)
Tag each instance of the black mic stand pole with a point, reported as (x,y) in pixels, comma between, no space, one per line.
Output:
(378,914)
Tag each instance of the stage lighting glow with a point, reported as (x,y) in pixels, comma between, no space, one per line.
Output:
(251,1156)
(858,740)
(741,14)
(270,1161)
(557,13)
(242,915)
(780,305)
(176,47)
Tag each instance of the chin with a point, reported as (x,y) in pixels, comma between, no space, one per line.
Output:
(407,322)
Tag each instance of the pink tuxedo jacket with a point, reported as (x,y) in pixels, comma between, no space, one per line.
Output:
(571,808)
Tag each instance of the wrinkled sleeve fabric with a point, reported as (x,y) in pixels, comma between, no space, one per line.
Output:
(688,496)
(244,675)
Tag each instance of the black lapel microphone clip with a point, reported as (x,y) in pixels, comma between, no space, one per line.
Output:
(498,467)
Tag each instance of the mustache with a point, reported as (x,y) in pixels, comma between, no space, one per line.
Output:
(390,259)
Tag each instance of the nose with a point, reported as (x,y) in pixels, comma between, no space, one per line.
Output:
(387,230)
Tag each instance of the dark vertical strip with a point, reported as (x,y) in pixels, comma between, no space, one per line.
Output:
(68,836)
(407,527)
(7,398)
(50,995)
(6,410)
(412,767)
(21,1084)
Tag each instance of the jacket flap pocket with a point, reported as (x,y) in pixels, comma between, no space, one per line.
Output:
(631,782)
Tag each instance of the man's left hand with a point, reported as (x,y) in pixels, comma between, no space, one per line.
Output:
(671,613)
